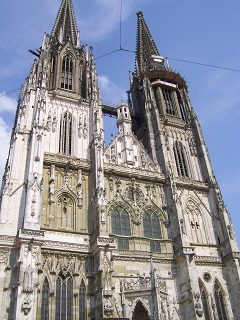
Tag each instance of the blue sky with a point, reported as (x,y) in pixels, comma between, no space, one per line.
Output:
(200,31)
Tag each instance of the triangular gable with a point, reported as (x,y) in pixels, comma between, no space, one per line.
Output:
(114,154)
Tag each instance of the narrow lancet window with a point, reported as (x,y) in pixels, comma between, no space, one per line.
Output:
(65,141)
(64,297)
(45,301)
(180,158)
(169,101)
(67,73)
(152,229)
(220,301)
(205,301)
(121,226)
(82,301)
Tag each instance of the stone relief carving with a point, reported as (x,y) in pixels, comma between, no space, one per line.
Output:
(28,280)
(198,306)
(26,305)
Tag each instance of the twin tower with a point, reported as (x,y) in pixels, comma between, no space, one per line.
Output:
(136,230)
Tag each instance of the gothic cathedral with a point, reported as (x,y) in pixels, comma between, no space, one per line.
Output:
(136,230)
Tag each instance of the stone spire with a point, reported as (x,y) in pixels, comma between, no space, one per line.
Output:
(146,51)
(65,26)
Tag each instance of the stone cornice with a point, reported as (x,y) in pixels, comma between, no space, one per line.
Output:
(7,241)
(139,173)
(62,246)
(231,256)
(173,121)
(65,95)
(191,184)
(61,160)
(135,255)
(165,259)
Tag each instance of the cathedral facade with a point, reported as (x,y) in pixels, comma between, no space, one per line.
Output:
(135,230)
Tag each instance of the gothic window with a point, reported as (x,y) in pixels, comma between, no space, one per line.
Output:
(66,133)
(64,295)
(53,71)
(169,101)
(205,301)
(220,301)
(67,73)
(121,226)
(196,223)
(181,106)
(45,301)
(151,226)
(180,158)
(134,195)
(82,301)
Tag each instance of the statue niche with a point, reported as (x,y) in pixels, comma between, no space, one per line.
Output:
(66,213)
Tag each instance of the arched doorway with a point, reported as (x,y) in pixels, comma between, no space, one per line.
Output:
(140,313)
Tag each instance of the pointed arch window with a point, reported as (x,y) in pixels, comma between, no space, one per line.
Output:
(151,226)
(64,295)
(66,133)
(205,301)
(67,73)
(53,72)
(169,101)
(180,158)
(181,106)
(121,226)
(220,301)
(82,301)
(45,301)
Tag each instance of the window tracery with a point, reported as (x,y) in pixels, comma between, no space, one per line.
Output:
(180,159)
(82,301)
(151,226)
(66,134)
(170,104)
(205,300)
(121,225)
(45,300)
(220,301)
(67,73)
(196,223)
(64,288)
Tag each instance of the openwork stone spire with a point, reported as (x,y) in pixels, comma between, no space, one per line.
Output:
(65,26)
(146,47)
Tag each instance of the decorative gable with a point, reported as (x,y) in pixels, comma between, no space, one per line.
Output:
(138,156)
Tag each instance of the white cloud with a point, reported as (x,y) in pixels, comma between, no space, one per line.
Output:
(220,100)
(7,104)
(105,18)
(5,132)
(110,92)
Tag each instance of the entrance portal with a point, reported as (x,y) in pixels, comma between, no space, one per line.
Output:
(140,313)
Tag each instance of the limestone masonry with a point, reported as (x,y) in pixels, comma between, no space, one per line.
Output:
(135,230)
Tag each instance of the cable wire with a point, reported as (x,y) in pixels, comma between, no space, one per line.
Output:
(4,94)
(204,64)
(121,26)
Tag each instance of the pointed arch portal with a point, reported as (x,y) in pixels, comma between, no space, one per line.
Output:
(140,312)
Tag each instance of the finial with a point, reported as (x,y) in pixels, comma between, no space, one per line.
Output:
(140,14)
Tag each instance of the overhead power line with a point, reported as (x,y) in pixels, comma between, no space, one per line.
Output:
(6,93)
(174,59)
(204,64)
(132,51)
